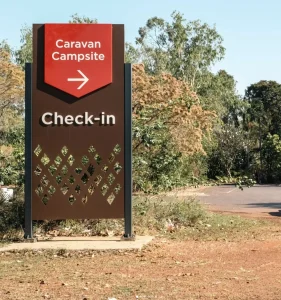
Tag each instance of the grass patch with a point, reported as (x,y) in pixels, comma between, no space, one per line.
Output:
(186,219)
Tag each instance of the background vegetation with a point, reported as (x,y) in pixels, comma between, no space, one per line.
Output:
(190,125)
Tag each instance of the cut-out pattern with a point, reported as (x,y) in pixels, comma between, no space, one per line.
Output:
(58,160)
(44,180)
(64,170)
(98,159)
(91,189)
(85,160)
(111,178)
(85,199)
(64,150)
(51,190)
(85,178)
(104,168)
(45,159)
(58,179)
(117,167)
(117,149)
(78,189)
(38,150)
(91,169)
(111,158)
(39,190)
(52,169)
(110,198)
(117,189)
(70,160)
(104,189)
(92,149)
(78,170)
(71,179)
(38,171)
(98,180)
(64,189)
(45,199)
(71,199)
(90,165)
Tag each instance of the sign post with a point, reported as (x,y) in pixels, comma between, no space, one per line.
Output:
(128,152)
(28,233)
(78,125)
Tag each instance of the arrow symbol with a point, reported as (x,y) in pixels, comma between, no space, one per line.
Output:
(84,78)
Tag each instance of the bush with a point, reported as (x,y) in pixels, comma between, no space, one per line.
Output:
(12,216)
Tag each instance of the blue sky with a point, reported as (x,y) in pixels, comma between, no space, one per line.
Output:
(251,28)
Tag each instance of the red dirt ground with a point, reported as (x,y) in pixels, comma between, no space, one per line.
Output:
(180,270)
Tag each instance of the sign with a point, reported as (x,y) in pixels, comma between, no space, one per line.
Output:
(78,125)
(78,57)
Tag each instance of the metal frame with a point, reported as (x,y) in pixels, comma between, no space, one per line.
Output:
(128,153)
(28,230)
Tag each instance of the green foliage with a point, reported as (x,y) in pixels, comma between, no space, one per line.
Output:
(154,170)
(264,98)
(12,157)
(218,92)
(162,158)
(132,54)
(262,120)
(184,49)
(271,158)
(76,19)
(12,215)
(240,181)
(231,143)
(24,54)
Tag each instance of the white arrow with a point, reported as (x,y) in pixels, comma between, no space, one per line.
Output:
(85,79)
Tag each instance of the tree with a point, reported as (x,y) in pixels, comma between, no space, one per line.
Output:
(132,54)
(231,143)
(264,110)
(11,114)
(263,117)
(11,85)
(168,126)
(184,49)
(76,19)
(218,93)
(24,54)
(271,153)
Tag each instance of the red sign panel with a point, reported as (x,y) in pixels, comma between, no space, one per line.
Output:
(78,57)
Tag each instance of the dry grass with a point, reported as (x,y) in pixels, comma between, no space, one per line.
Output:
(158,216)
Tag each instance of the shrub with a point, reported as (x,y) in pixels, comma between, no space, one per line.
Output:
(11,215)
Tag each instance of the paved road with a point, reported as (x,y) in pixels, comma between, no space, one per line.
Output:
(259,200)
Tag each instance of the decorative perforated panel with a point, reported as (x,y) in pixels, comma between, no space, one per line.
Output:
(77,180)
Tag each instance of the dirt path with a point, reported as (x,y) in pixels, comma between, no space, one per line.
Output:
(165,270)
